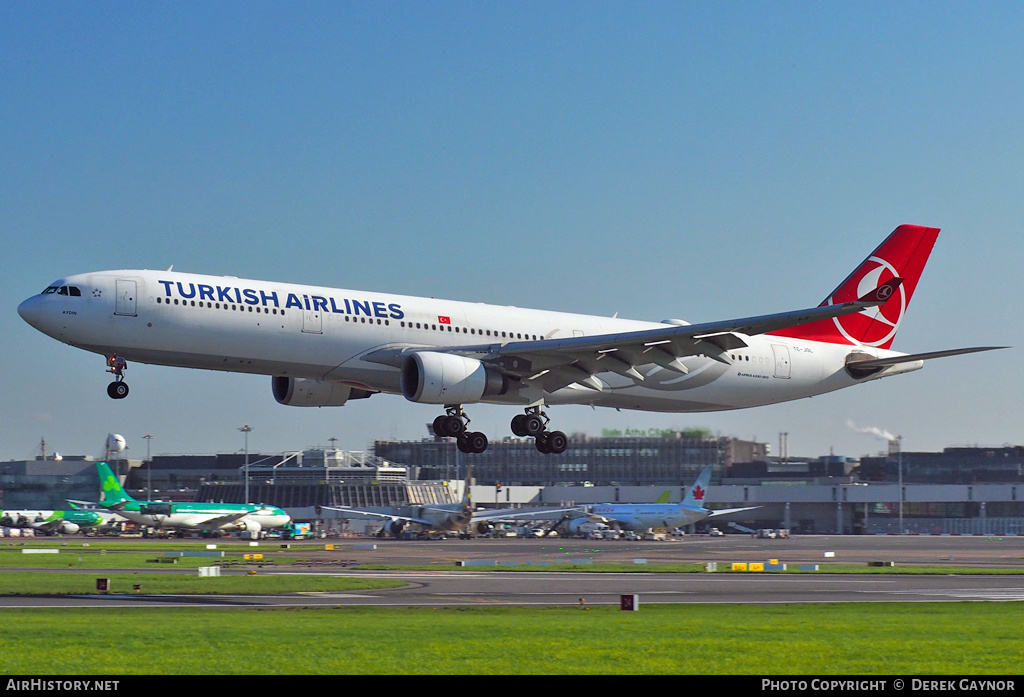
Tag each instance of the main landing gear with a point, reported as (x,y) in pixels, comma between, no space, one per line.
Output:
(119,388)
(534,423)
(454,424)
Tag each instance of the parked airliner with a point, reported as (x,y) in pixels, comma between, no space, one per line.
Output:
(445,517)
(643,516)
(326,346)
(172,515)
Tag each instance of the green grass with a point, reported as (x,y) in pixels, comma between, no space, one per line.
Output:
(43,583)
(839,639)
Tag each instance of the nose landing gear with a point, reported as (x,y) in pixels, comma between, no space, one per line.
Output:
(119,388)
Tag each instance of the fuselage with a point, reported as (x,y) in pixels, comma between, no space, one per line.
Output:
(652,515)
(324,334)
(70,521)
(167,514)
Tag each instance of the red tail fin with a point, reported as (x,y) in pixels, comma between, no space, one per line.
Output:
(903,254)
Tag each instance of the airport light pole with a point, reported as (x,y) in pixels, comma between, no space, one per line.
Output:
(149,469)
(246,429)
(899,465)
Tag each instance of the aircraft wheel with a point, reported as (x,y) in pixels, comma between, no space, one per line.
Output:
(542,443)
(439,426)
(463,445)
(558,442)
(117,389)
(453,426)
(533,425)
(476,441)
(518,427)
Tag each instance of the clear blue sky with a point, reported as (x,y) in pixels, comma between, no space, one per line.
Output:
(656,159)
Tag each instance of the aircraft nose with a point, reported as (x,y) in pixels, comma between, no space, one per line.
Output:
(29,310)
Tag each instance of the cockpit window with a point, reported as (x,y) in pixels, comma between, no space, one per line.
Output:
(73,291)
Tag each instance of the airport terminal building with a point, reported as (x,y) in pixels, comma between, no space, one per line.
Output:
(956,491)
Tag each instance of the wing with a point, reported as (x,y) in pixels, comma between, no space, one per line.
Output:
(520,514)
(213,521)
(375,514)
(555,363)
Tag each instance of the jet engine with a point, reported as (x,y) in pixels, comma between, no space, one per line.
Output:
(249,524)
(443,378)
(584,526)
(300,392)
(67,528)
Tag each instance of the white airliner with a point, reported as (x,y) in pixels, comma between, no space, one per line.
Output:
(446,517)
(325,346)
(642,516)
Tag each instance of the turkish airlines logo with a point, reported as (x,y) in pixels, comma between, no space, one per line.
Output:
(875,326)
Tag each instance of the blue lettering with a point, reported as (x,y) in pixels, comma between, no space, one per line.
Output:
(167,287)
(348,308)
(396,311)
(319,303)
(364,306)
(293,301)
(224,294)
(191,290)
(250,297)
(306,299)
(266,298)
(238,298)
(334,308)
(379,310)
(205,292)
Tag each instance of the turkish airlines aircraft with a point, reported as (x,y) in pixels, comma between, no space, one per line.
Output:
(325,346)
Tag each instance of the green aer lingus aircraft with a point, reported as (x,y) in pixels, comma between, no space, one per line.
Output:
(211,517)
(51,522)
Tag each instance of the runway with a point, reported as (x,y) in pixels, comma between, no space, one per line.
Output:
(468,588)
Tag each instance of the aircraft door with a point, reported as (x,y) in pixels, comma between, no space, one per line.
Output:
(782,365)
(312,322)
(125,303)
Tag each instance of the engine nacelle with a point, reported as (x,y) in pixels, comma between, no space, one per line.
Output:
(442,378)
(584,526)
(248,524)
(67,528)
(300,392)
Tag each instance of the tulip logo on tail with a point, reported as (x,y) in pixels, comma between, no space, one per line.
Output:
(875,326)
(902,255)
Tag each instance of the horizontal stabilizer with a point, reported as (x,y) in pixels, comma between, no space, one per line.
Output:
(873,364)
(727,511)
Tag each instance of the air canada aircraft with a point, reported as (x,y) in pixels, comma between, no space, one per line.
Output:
(326,346)
(641,516)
